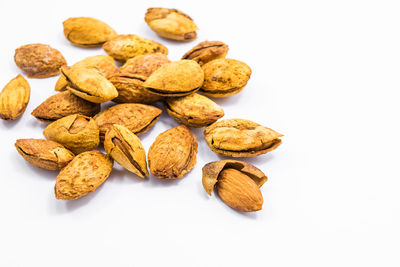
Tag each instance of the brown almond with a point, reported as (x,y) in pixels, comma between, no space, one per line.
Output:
(64,104)
(39,60)
(239,191)
(84,174)
(173,153)
(138,118)
(44,153)
(207,51)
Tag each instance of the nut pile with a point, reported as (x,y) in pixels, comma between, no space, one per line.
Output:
(76,126)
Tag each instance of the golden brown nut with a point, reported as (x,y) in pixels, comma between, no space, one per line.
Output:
(126,149)
(138,118)
(224,77)
(64,104)
(89,85)
(76,132)
(87,32)
(178,78)
(43,153)
(212,170)
(207,51)
(84,174)
(39,60)
(193,110)
(237,183)
(130,89)
(126,46)
(14,98)
(171,24)
(144,64)
(241,138)
(104,65)
(173,153)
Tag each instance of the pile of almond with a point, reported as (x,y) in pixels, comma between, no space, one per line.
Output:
(77,126)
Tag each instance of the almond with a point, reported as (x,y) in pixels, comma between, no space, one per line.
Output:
(84,174)
(239,191)
(14,98)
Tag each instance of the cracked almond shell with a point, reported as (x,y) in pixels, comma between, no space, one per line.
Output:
(241,138)
(207,51)
(178,78)
(126,46)
(212,170)
(138,118)
(171,23)
(39,60)
(126,149)
(64,104)
(87,32)
(84,174)
(104,65)
(44,154)
(193,110)
(144,64)
(130,89)
(76,132)
(224,77)
(14,98)
(89,85)
(173,153)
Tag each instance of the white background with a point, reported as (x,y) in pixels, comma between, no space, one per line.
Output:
(325,73)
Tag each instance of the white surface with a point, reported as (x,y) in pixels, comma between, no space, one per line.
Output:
(325,73)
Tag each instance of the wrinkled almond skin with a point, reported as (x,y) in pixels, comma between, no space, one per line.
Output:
(144,64)
(104,65)
(44,154)
(224,77)
(212,170)
(173,153)
(126,149)
(171,24)
(39,60)
(14,98)
(241,138)
(206,51)
(130,89)
(84,174)
(238,191)
(87,32)
(126,46)
(89,85)
(193,110)
(138,118)
(76,132)
(64,104)
(178,78)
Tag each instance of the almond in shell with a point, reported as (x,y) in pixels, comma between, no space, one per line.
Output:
(178,78)
(84,174)
(126,46)
(87,32)
(44,153)
(171,24)
(39,60)
(241,138)
(138,118)
(76,132)
(193,110)
(207,51)
(237,183)
(126,149)
(173,153)
(64,104)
